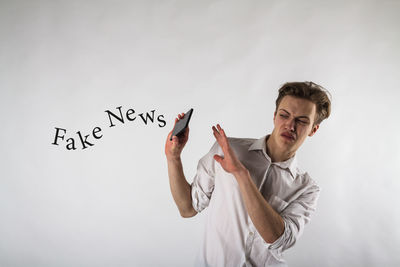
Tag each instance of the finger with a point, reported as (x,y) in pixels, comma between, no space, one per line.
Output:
(221,130)
(186,134)
(218,158)
(222,135)
(171,137)
(219,140)
(215,131)
(216,134)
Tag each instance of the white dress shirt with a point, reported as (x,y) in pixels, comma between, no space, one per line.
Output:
(230,238)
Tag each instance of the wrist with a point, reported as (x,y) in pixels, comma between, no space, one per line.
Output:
(174,159)
(242,173)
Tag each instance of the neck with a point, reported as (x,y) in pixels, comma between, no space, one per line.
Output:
(275,152)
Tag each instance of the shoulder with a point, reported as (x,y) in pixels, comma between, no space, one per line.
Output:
(241,142)
(239,145)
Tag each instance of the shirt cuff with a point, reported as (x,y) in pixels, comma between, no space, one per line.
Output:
(278,244)
(199,199)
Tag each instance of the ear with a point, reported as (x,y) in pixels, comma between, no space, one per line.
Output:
(314,130)
(274,116)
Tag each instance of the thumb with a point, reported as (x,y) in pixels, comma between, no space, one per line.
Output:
(218,158)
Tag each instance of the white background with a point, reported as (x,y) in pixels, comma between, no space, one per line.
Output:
(63,63)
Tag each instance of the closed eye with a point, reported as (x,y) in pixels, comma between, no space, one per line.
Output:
(302,122)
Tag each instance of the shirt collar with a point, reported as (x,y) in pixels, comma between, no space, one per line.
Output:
(290,164)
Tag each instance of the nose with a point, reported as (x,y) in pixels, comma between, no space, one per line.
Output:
(291,125)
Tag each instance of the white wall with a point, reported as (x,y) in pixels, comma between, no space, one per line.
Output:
(63,63)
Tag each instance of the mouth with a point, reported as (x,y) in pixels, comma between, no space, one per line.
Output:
(288,136)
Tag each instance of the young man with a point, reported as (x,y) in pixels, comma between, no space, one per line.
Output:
(258,199)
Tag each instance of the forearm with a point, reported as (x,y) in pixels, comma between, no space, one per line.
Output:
(267,221)
(180,188)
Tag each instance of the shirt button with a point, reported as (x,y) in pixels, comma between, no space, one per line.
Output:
(251,233)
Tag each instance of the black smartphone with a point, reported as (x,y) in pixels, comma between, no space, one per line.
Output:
(182,124)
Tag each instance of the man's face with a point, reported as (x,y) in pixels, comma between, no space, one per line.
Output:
(293,121)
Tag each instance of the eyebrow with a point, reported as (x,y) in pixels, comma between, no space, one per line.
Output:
(299,117)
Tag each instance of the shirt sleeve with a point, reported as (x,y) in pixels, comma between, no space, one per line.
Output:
(204,180)
(295,216)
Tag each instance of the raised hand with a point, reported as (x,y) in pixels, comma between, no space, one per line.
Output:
(229,162)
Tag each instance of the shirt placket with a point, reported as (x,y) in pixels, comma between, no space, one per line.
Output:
(265,176)
(249,245)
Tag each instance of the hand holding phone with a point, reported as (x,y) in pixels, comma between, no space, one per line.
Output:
(182,124)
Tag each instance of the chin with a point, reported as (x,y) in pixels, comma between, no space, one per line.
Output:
(289,144)
(286,145)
